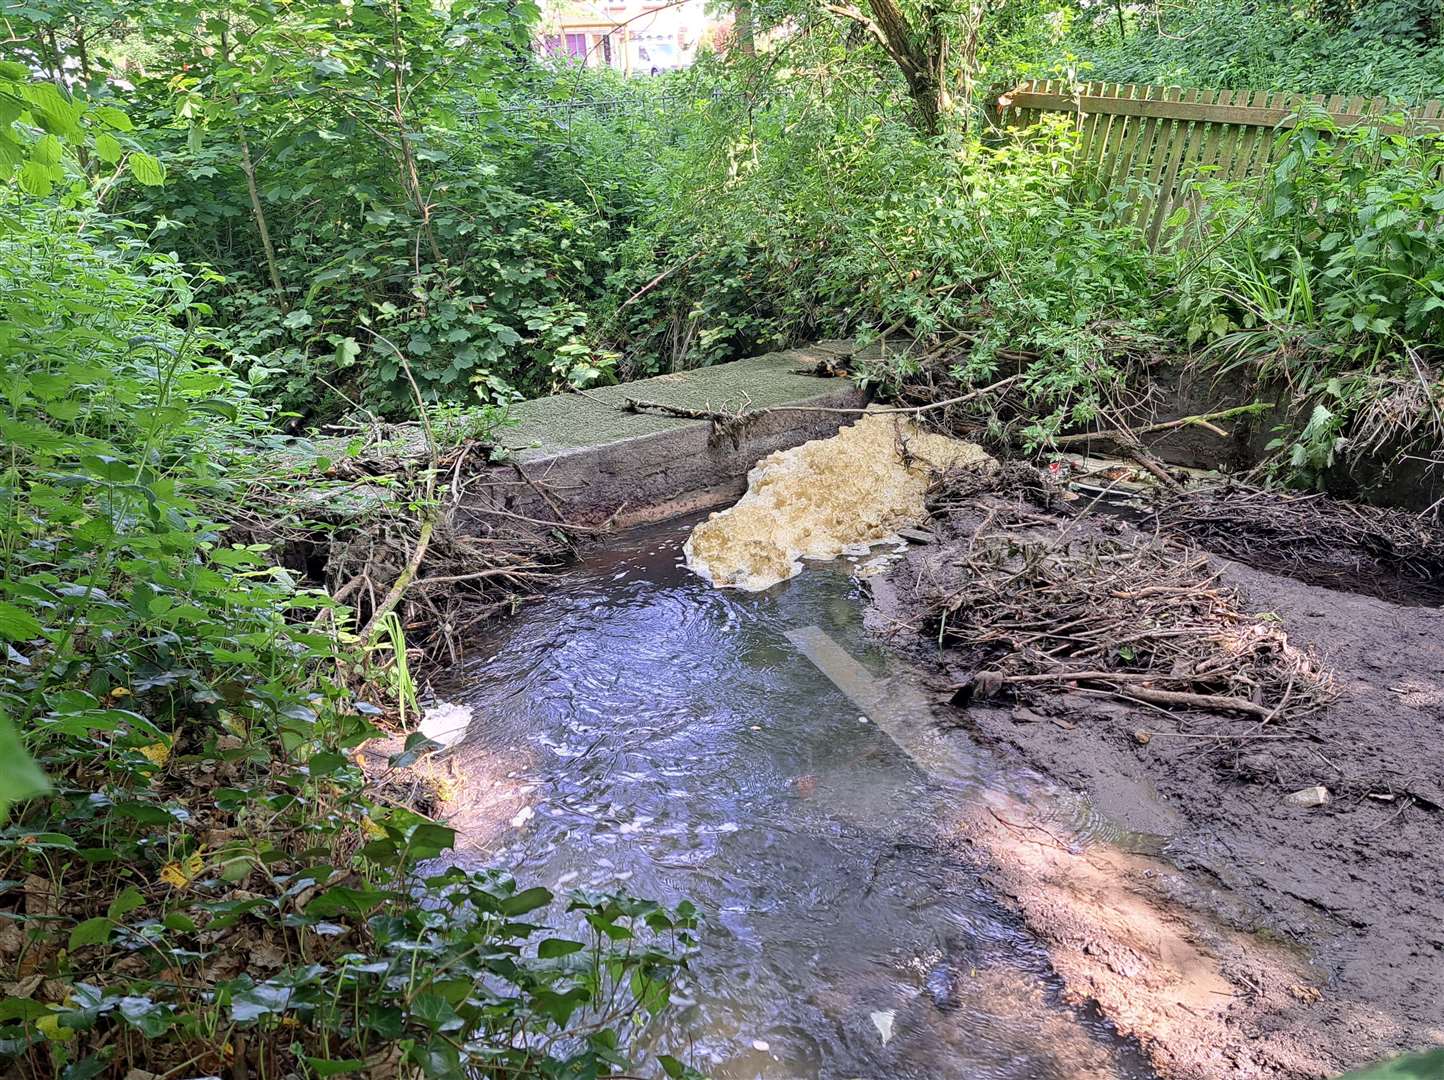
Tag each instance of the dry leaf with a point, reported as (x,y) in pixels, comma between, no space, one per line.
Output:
(182,872)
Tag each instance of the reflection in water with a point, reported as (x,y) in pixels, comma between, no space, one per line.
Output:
(671,740)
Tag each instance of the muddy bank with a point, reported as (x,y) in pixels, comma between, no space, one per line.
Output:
(1233,933)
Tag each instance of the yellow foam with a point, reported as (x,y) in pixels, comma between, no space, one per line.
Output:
(811,502)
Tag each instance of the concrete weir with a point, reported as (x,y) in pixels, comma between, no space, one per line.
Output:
(587,459)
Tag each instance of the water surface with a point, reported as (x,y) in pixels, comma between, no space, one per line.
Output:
(640,730)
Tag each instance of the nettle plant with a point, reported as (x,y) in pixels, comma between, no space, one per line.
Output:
(196,877)
(1333,289)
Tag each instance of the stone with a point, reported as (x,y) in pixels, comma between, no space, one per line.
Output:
(1308,797)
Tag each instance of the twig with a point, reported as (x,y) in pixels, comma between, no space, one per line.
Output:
(428,524)
(1200,420)
(567,526)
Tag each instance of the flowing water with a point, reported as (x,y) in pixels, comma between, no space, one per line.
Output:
(758,755)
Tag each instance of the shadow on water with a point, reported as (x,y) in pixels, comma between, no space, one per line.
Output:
(673,741)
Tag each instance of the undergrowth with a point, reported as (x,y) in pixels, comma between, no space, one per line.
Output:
(1317,286)
(198,877)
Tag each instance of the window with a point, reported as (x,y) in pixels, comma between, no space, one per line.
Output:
(552,44)
(577,45)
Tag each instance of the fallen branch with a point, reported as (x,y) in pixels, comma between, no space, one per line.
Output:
(1154,466)
(663,276)
(1188,699)
(565,526)
(1203,420)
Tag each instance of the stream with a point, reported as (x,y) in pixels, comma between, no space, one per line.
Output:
(760,756)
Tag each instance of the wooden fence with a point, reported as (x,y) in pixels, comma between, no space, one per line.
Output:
(1165,136)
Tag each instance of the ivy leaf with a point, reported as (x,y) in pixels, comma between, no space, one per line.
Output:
(528,900)
(253,1002)
(559,1006)
(552,948)
(430,840)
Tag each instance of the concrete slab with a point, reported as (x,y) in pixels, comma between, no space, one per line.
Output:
(545,427)
(593,461)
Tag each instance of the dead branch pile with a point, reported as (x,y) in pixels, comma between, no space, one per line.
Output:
(425,533)
(470,572)
(1129,616)
(1312,537)
(957,488)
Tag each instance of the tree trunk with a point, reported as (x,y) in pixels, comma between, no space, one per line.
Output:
(258,209)
(920,53)
(410,174)
(258,212)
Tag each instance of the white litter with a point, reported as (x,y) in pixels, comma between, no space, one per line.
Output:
(445,723)
(883,1022)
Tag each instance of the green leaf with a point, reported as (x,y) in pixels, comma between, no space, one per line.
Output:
(17,624)
(342,900)
(336,1067)
(347,349)
(528,900)
(37,178)
(253,1002)
(108,148)
(559,1006)
(20,777)
(146,169)
(125,903)
(107,468)
(87,1068)
(218,407)
(551,948)
(430,840)
(1426,1066)
(91,932)
(112,117)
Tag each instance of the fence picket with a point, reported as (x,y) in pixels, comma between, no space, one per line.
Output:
(1166,141)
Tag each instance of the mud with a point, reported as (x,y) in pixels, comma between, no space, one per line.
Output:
(1258,938)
